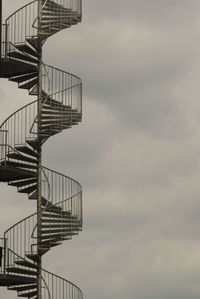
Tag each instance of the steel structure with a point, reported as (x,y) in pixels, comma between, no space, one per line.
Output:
(58,106)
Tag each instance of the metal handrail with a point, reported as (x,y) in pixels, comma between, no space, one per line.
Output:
(14,113)
(55,68)
(21,8)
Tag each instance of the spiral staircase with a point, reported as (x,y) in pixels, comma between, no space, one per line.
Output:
(57,106)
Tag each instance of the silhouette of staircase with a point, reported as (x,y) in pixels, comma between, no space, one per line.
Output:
(22,134)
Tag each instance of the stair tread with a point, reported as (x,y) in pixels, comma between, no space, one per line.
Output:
(33,42)
(18,165)
(25,48)
(34,144)
(18,55)
(61,220)
(21,271)
(21,157)
(28,189)
(23,182)
(58,216)
(33,257)
(10,173)
(28,294)
(29,84)
(60,231)
(14,280)
(25,149)
(23,78)
(22,288)
(26,264)
(59,237)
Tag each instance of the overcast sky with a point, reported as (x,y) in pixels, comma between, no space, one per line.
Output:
(136,152)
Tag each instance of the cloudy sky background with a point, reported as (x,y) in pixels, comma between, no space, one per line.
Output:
(136,152)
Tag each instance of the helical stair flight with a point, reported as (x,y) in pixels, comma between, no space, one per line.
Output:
(58,106)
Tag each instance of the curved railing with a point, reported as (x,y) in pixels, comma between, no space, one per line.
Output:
(53,286)
(25,20)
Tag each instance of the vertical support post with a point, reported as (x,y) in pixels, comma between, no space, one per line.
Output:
(39,199)
(5,255)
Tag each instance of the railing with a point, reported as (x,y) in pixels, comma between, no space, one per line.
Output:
(18,24)
(74,5)
(63,192)
(63,87)
(3,42)
(53,286)
(59,288)
(12,258)
(18,27)
(19,236)
(18,125)
(3,144)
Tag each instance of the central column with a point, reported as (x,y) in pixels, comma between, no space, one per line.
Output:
(0,31)
(39,199)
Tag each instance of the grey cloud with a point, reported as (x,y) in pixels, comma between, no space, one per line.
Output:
(136,152)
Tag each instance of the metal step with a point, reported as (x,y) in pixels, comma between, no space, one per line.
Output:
(34,144)
(34,91)
(49,132)
(51,243)
(13,280)
(21,271)
(55,214)
(23,288)
(29,84)
(59,237)
(53,5)
(18,165)
(61,221)
(56,127)
(28,189)
(55,18)
(21,158)
(61,225)
(26,58)
(55,8)
(25,48)
(33,196)
(58,118)
(28,294)
(20,79)
(54,208)
(33,42)
(51,232)
(26,150)
(33,256)
(23,183)
(12,68)
(51,211)
(26,264)
(9,173)
(48,105)
(57,113)
(48,100)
